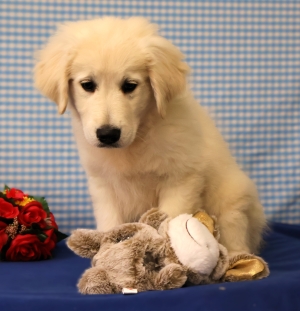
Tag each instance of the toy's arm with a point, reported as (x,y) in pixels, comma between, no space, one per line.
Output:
(85,242)
(154,217)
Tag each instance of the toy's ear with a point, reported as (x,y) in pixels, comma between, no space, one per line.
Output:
(154,217)
(167,71)
(84,242)
(52,70)
(210,222)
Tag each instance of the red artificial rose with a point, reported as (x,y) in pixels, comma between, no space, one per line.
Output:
(24,248)
(52,222)
(48,245)
(32,213)
(7,210)
(50,242)
(15,194)
(28,247)
(3,235)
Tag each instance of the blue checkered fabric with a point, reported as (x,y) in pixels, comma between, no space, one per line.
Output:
(245,57)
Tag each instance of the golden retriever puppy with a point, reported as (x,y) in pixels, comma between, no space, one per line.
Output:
(143,139)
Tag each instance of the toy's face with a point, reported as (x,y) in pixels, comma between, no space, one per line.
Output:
(193,243)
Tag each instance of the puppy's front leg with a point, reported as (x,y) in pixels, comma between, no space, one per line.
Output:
(105,205)
(182,195)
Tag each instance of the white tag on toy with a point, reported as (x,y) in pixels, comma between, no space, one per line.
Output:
(129,291)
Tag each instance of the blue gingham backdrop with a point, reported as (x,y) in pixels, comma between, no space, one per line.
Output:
(245,57)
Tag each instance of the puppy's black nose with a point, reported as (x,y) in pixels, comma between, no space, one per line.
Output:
(108,135)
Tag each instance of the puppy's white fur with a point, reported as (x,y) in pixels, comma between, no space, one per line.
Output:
(170,153)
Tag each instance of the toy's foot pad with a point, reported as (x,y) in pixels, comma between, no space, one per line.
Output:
(246,267)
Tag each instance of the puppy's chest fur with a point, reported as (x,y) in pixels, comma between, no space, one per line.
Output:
(135,178)
(138,174)
(134,193)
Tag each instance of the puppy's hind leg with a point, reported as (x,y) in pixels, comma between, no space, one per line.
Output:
(235,203)
(241,228)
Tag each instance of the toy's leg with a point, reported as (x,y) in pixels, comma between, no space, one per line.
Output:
(171,276)
(95,281)
(244,267)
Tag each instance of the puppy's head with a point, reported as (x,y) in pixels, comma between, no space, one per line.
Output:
(112,72)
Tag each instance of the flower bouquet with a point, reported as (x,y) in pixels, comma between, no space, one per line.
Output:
(28,230)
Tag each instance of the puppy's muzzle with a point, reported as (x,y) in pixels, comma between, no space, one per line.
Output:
(108,135)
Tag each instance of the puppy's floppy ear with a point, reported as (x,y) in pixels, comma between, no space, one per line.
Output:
(52,70)
(167,71)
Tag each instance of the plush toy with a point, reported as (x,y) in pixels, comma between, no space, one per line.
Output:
(159,253)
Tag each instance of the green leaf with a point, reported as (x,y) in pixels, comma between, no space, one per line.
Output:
(7,221)
(44,203)
(4,250)
(3,196)
(42,237)
(34,229)
(60,236)
(6,187)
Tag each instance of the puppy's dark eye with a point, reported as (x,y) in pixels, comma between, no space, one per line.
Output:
(88,86)
(128,87)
